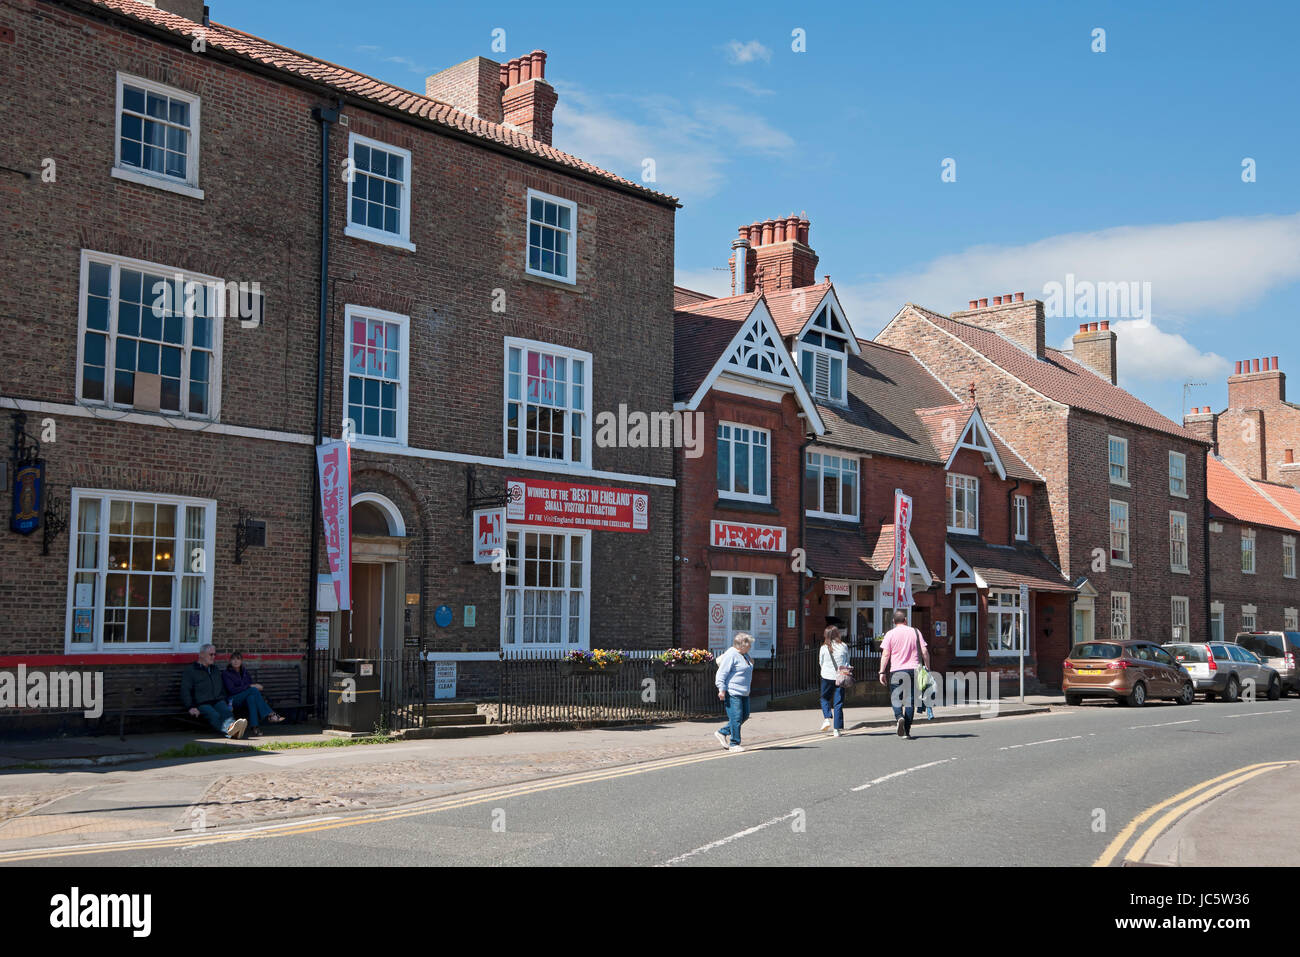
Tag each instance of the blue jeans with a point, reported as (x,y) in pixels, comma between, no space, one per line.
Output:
(902,695)
(258,709)
(833,701)
(217,714)
(737,714)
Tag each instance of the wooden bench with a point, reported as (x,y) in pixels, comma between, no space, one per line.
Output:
(282,687)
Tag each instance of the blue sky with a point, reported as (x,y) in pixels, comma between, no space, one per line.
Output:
(1115,166)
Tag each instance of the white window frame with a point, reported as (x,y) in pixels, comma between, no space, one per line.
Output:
(848,606)
(571,275)
(1178,520)
(731,440)
(106,496)
(117,263)
(1249,617)
(1288,556)
(1248,535)
(564,645)
(1181,459)
(830,355)
(731,598)
(1127,560)
(1216,619)
(967,483)
(1114,442)
(525,346)
(967,602)
(848,463)
(1180,614)
(1121,604)
(1290,619)
(189,186)
(995,611)
(402,239)
(365,313)
(1022,518)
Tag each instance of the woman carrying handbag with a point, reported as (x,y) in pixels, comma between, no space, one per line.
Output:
(837,676)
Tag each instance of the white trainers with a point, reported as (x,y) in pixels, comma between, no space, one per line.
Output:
(735,747)
(836,732)
(237,729)
(722,739)
(826,724)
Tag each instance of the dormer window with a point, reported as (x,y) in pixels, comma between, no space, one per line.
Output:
(822,352)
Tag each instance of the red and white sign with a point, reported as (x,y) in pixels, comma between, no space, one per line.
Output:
(334,463)
(564,505)
(902,539)
(718,639)
(489,535)
(763,538)
(837,588)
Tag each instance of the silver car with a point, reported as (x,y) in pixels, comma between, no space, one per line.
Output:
(1279,650)
(1226,670)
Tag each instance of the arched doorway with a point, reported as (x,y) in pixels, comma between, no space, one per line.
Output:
(374,626)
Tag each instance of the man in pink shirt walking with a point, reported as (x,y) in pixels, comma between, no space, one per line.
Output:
(900,653)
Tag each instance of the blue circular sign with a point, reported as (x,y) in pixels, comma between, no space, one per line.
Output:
(442,615)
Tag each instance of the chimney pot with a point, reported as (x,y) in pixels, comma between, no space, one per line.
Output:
(778,230)
(997,300)
(1020,297)
(1256,365)
(1237,370)
(1083,327)
(1105,325)
(974,303)
(539,63)
(984,303)
(513,78)
(803,229)
(1275,364)
(1006,298)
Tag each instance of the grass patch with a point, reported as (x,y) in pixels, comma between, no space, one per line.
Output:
(197,749)
(331,743)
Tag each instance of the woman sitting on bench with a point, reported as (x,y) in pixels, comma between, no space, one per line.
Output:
(240,688)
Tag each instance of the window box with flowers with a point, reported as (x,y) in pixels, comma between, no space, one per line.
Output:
(682,660)
(597,662)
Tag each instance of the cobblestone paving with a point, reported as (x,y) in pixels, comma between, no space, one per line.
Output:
(253,797)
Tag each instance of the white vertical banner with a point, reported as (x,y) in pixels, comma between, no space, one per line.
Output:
(902,541)
(334,463)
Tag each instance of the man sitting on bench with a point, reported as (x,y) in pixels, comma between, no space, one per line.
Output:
(203,693)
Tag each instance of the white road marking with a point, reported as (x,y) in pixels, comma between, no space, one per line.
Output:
(1167,724)
(734,837)
(1253,714)
(899,774)
(1074,737)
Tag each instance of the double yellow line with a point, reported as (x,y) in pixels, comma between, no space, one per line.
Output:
(504,793)
(1175,807)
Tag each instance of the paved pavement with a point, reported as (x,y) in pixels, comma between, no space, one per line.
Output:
(1074,786)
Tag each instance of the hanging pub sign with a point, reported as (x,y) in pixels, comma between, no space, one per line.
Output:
(565,505)
(29,492)
(334,460)
(489,537)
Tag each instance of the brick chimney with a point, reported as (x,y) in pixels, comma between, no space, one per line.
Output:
(1094,347)
(1204,424)
(1256,384)
(1020,320)
(472,87)
(528,101)
(189,9)
(1289,471)
(779,257)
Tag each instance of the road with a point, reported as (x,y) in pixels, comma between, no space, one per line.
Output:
(1039,790)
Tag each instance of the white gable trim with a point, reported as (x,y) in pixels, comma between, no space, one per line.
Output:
(957,571)
(834,301)
(760,319)
(915,563)
(976,424)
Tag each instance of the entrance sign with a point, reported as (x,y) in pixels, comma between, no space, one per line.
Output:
(489,535)
(837,588)
(763,538)
(566,505)
(334,462)
(902,537)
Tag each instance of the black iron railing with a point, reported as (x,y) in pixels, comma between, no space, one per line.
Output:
(798,672)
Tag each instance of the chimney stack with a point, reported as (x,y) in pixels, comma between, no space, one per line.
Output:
(1262,385)
(1204,424)
(1021,321)
(1094,347)
(778,250)
(514,93)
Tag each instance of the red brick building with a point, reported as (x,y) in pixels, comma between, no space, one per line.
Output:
(1124,513)
(824,485)
(1259,431)
(486,295)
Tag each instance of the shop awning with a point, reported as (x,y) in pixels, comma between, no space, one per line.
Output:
(1002,566)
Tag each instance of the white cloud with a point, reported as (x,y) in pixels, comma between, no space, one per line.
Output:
(1146,353)
(747,52)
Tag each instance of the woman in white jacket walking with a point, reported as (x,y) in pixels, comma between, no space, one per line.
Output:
(833,656)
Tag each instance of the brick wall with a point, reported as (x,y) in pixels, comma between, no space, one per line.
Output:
(1259,428)
(1267,590)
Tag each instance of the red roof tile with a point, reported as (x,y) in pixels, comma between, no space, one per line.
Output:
(685,297)
(1002,566)
(1287,496)
(943,434)
(1236,498)
(358,85)
(833,553)
(1058,377)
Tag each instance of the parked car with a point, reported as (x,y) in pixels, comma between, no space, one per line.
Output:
(1279,650)
(1131,672)
(1222,669)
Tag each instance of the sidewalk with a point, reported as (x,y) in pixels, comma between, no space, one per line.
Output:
(105,802)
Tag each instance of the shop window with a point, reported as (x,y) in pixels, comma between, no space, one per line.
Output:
(740,602)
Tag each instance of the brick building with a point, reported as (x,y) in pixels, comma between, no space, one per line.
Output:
(485,296)
(1124,513)
(820,482)
(1259,431)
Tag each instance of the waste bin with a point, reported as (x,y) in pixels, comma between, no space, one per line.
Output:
(354,695)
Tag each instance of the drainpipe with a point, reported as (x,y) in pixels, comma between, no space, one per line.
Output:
(325,117)
(1205,541)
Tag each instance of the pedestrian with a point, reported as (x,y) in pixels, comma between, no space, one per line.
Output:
(204,694)
(902,651)
(834,660)
(735,670)
(241,690)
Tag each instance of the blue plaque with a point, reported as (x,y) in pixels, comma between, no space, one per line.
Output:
(442,615)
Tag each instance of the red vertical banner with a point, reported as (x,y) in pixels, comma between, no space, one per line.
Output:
(334,463)
(902,541)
